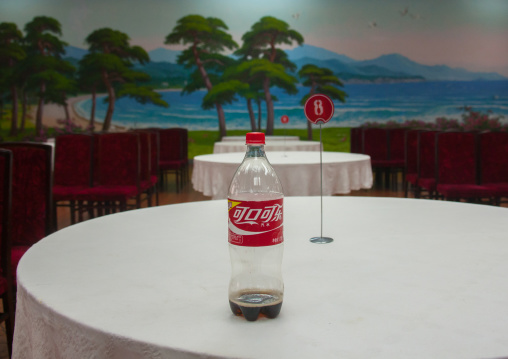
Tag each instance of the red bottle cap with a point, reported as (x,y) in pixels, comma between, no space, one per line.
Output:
(255,138)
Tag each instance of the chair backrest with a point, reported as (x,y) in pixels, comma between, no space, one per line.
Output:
(145,143)
(410,151)
(375,143)
(173,144)
(356,140)
(154,152)
(5,210)
(118,159)
(153,138)
(396,143)
(456,158)
(73,160)
(493,157)
(426,154)
(31,191)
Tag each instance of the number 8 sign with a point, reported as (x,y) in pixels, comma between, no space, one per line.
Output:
(319,108)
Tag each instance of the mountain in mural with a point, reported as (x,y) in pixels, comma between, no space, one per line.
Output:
(386,68)
(392,67)
(318,53)
(396,62)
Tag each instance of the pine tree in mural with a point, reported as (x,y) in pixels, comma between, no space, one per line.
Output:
(320,80)
(113,57)
(44,52)
(11,53)
(269,62)
(207,39)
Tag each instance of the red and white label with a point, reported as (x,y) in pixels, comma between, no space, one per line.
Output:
(255,223)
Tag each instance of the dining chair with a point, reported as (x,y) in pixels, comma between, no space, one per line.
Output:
(31,211)
(356,140)
(375,145)
(457,167)
(147,184)
(117,172)
(426,164)
(410,161)
(73,173)
(6,275)
(493,160)
(396,153)
(173,155)
(386,150)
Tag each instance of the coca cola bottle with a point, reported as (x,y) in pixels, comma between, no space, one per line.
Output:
(255,235)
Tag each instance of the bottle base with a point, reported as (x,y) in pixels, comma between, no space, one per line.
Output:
(252,313)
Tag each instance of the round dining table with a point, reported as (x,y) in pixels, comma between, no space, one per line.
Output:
(403,278)
(298,171)
(239,146)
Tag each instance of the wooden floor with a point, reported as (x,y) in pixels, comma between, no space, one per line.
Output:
(169,195)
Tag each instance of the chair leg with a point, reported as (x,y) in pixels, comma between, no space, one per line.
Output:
(55,219)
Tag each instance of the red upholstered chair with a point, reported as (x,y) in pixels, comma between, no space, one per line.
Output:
(386,150)
(154,161)
(493,158)
(32,177)
(173,154)
(148,182)
(356,140)
(6,275)
(411,160)
(426,164)
(457,167)
(375,144)
(117,172)
(72,172)
(396,152)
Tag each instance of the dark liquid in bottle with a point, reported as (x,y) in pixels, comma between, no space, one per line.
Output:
(252,313)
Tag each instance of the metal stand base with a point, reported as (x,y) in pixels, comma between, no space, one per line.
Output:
(321,240)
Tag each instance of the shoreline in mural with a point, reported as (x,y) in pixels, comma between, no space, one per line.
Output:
(373,102)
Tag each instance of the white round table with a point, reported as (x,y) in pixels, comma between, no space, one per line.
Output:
(298,172)
(269,138)
(403,278)
(239,146)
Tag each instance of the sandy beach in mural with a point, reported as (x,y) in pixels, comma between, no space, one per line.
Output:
(54,112)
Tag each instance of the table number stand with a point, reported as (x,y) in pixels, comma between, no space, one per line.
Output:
(284,119)
(319,109)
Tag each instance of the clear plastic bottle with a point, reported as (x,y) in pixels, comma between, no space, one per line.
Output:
(255,235)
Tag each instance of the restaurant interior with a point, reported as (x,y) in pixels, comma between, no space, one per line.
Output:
(78,177)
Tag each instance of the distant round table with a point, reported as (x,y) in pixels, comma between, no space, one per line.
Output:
(268,138)
(298,172)
(239,146)
(404,278)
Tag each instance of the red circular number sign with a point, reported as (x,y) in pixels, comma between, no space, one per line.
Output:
(319,108)
(284,119)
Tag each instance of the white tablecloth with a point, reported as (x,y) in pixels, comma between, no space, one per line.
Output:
(297,171)
(268,138)
(239,146)
(404,278)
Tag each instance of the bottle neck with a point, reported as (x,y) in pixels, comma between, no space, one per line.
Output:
(255,151)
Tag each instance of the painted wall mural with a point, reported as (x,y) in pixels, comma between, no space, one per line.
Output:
(383,61)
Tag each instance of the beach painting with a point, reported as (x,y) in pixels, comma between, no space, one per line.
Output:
(383,62)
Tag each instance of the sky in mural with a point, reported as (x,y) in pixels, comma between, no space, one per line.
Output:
(460,33)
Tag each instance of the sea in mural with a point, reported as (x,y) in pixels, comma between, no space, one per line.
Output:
(372,102)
